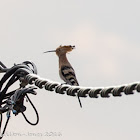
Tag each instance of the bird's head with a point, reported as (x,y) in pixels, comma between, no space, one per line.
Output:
(62,49)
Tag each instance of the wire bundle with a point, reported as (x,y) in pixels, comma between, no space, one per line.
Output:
(14,101)
(82,91)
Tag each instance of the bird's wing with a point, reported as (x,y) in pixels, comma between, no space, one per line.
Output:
(68,75)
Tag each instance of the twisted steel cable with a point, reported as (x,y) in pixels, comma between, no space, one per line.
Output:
(91,92)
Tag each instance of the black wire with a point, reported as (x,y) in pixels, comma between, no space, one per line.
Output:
(12,71)
(13,79)
(33,65)
(37,115)
(9,94)
(0,126)
(2,65)
(0,122)
(10,82)
(13,74)
(15,70)
(4,127)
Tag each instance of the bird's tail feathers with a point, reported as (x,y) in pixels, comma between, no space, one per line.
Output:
(79,101)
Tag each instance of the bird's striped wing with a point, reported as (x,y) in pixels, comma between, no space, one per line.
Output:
(68,75)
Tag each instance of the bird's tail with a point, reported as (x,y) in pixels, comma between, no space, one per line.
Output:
(79,101)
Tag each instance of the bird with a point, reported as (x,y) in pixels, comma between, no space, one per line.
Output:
(66,71)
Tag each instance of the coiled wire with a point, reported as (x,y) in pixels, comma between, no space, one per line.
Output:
(91,92)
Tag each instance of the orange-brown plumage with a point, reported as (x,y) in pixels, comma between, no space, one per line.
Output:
(66,71)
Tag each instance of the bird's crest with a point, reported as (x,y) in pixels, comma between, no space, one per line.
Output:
(66,48)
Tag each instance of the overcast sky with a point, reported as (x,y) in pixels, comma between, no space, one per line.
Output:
(106,35)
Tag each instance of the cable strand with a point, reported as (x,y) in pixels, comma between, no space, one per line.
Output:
(104,92)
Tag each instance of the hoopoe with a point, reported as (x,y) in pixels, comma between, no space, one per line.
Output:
(66,71)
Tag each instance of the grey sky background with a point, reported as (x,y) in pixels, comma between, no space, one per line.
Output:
(106,35)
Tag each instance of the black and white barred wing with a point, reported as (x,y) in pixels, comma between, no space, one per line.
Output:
(68,75)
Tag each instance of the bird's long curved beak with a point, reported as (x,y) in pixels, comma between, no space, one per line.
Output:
(50,51)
